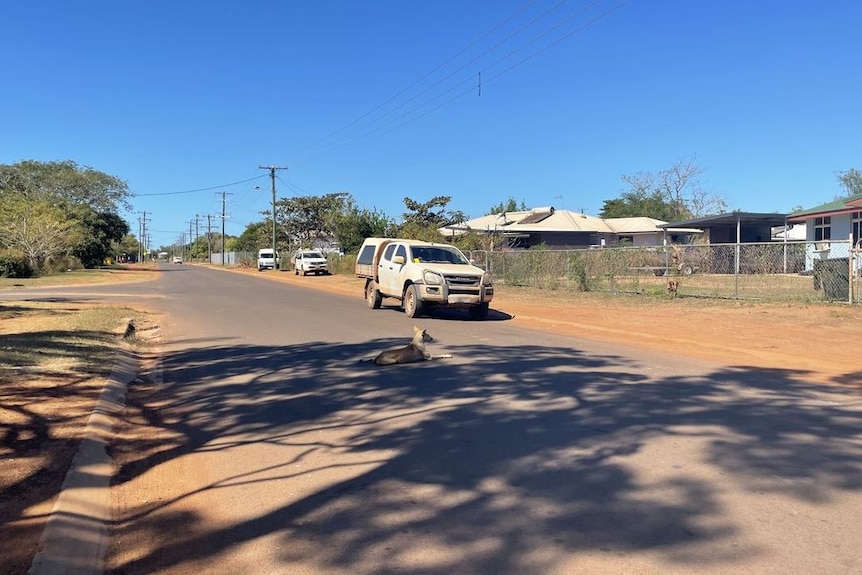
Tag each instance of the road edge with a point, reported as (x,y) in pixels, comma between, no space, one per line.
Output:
(76,534)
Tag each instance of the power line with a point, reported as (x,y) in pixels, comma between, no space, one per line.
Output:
(352,140)
(423,77)
(200,189)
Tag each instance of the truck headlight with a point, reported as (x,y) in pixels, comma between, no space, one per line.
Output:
(487,279)
(432,278)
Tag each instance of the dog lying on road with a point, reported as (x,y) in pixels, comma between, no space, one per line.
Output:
(412,352)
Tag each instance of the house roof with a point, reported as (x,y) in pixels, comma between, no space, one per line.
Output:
(636,225)
(839,206)
(551,220)
(561,221)
(773,219)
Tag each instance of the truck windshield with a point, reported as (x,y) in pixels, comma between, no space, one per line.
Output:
(437,255)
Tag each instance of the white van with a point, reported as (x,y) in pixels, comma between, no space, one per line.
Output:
(266,260)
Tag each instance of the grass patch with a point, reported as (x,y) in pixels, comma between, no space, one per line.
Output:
(107,275)
(41,339)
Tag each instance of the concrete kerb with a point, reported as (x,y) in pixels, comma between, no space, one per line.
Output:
(76,534)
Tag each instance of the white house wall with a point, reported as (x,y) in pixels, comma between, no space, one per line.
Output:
(841,227)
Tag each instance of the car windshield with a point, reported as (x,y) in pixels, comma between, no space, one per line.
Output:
(437,255)
(312,255)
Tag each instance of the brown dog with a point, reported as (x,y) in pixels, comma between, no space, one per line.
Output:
(412,352)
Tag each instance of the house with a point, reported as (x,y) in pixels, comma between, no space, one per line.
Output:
(836,220)
(829,226)
(564,229)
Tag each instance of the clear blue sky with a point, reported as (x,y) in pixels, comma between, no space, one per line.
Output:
(380,98)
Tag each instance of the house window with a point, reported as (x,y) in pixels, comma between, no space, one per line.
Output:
(822,229)
(626,240)
(856,218)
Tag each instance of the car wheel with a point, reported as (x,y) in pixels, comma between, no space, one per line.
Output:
(372,295)
(412,303)
(686,270)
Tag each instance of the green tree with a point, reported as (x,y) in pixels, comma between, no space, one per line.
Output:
(353,224)
(308,218)
(509,206)
(128,248)
(431,214)
(99,232)
(38,229)
(256,235)
(46,209)
(66,182)
(851,181)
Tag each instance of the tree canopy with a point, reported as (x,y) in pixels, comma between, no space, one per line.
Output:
(59,209)
(674,194)
(851,181)
(509,205)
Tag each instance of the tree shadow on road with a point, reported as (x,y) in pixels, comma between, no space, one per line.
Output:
(511,462)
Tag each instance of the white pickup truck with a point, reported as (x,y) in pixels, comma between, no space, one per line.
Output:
(422,275)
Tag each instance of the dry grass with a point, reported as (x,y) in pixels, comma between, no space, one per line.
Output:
(115,274)
(54,358)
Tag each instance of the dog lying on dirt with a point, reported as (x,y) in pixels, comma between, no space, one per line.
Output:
(412,352)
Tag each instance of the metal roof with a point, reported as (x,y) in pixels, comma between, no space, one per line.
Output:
(838,206)
(551,220)
(773,219)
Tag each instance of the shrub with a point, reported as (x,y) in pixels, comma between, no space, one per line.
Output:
(14,264)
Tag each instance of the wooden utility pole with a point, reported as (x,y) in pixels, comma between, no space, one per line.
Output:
(272,170)
(223,217)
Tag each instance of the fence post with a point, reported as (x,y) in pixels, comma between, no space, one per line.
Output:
(850,268)
(736,270)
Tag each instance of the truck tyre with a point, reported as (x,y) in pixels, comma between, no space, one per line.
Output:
(686,269)
(372,295)
(412,303)
(479,311)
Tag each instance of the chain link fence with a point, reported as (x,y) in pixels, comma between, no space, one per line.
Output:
(777,271)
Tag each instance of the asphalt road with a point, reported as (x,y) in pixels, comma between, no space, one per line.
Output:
(527,452)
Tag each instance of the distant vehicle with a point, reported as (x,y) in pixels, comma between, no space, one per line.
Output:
(309,262)
(266,260)
(178,259)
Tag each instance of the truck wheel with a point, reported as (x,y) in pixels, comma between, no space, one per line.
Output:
(479,311)
(372,296)
(686,270)
(412,303)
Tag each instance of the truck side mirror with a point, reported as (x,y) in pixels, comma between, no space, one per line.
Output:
(398,260)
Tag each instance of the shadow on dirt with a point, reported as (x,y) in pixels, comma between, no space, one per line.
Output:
(506,463)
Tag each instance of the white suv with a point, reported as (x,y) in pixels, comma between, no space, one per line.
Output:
(309,262)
